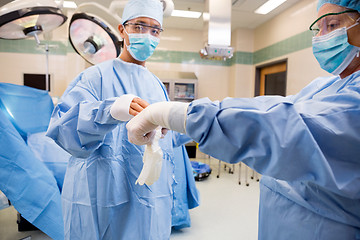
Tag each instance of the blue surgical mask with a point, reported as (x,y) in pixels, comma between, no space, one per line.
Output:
(141,46)
(333,50)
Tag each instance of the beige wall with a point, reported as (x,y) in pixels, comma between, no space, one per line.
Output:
(62,69)
(215,82)
(212,80)
(181,40)
(242,80)
(294,20)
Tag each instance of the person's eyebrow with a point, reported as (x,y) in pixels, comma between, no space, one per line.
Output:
(140,21)
(154,25)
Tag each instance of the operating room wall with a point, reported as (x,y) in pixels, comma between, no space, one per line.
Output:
(216,79)
(61,69)
(213,77)
(242,80)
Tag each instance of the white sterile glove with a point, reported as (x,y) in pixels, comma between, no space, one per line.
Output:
(170,115)
(153,157)
(120,108)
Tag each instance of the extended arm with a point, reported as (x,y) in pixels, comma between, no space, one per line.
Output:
(313,140)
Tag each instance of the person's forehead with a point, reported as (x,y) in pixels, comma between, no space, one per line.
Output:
(146,20)
(330,8)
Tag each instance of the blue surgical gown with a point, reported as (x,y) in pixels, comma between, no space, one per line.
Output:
(27,183)
(186,195)
(54,157)
(307,146)
(100,199)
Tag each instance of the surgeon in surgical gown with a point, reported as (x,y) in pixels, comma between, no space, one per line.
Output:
(100,198)
(307,146)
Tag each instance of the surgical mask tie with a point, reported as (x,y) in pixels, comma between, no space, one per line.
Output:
(333,50)
(141,45)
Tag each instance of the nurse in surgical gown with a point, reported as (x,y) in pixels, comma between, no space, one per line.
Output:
(100,198)
(307,146)
(99,195)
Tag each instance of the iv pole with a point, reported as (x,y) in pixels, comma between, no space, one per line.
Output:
(46,47)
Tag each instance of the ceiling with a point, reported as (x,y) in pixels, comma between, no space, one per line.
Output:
(243,15)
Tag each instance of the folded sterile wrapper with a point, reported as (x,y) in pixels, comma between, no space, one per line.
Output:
(152,160)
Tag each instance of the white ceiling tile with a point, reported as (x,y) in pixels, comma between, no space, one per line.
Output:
(243,15)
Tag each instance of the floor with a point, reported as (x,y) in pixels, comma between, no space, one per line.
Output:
(9,227)
(227,210)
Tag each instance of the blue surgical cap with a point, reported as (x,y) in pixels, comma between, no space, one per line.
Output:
(143,8)
(352,4)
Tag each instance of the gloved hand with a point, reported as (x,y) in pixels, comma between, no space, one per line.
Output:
(127,106)
(170,115)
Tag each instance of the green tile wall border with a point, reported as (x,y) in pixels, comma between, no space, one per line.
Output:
(29,46)
(246,58)
(295,43)
(185,58)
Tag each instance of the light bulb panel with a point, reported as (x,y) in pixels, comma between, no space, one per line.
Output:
(14,22)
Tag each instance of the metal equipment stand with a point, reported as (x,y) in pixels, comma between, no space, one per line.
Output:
(246,175)
(255,175)
(231,170)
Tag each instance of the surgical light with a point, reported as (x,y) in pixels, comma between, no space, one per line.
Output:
(269,6)
(21,19)
(92,33)
(168,7)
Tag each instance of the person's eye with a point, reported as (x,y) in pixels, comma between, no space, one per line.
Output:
(138,28)
(155,32)
(333,25)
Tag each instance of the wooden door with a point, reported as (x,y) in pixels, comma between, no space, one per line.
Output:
(273,80)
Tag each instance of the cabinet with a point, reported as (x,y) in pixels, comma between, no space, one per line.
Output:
(181,86)
(183,90)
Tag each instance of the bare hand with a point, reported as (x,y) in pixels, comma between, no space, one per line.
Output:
(137,105)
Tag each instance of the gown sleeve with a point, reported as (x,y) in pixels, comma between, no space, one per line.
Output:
(82,119)
(180,139)
(313,140)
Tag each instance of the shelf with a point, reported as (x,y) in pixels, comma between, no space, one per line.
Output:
(184,98)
